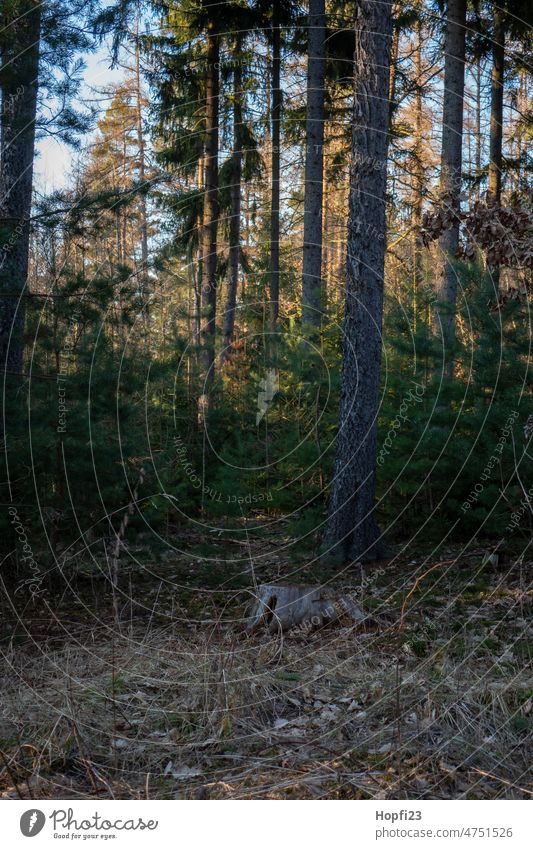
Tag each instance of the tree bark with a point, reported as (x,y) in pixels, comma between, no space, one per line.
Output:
(352,530)
(496,117)
(393,72)
(451,164)
(496,106)
(275,174)
(20,28)
(199,272)
(235,211)
(478,125)
(418,150)
(142,174)
(314,157)
(210,222)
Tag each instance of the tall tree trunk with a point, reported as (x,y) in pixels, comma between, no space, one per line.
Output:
(418,149)
(210,222)
(142,172)
(478,125)
(199,273)
(327,231)
(523,101)
(275,175)
(20,27)
(451,163)
(496,117)
(393,71)
(314,156)
(352,530)
(235,212)
(496,106)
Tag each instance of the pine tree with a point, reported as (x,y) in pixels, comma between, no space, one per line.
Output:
(275,132)
(211,209)
(235,211)
(451,164)
(314,166)
(20,28)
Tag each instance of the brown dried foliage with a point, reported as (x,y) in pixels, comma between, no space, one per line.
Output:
(503,233)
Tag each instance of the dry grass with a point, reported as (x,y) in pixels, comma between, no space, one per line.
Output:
(435,710)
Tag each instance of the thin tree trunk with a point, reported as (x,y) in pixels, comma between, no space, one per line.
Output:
(142,173)
(210,223)
(419,167)
(393,72)
(451,164)
(199,274)
(478,125)
(20,28)
(523,100)
(352,530)
(314,156)
(235,212)
(275,175)
(326,236)
(496,118)
(496,107)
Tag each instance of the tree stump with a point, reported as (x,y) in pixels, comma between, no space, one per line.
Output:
(300,608)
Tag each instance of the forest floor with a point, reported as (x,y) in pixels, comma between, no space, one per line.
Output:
(166,696)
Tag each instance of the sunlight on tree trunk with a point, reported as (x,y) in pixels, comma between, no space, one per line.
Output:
(235,211)
(19,46)
(314,155)
(352,530)
(451,164)
(210,222)
(276,160)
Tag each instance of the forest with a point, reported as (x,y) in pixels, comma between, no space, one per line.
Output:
(266,476)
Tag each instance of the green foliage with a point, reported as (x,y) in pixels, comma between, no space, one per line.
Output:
(77,426)
(451,459)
